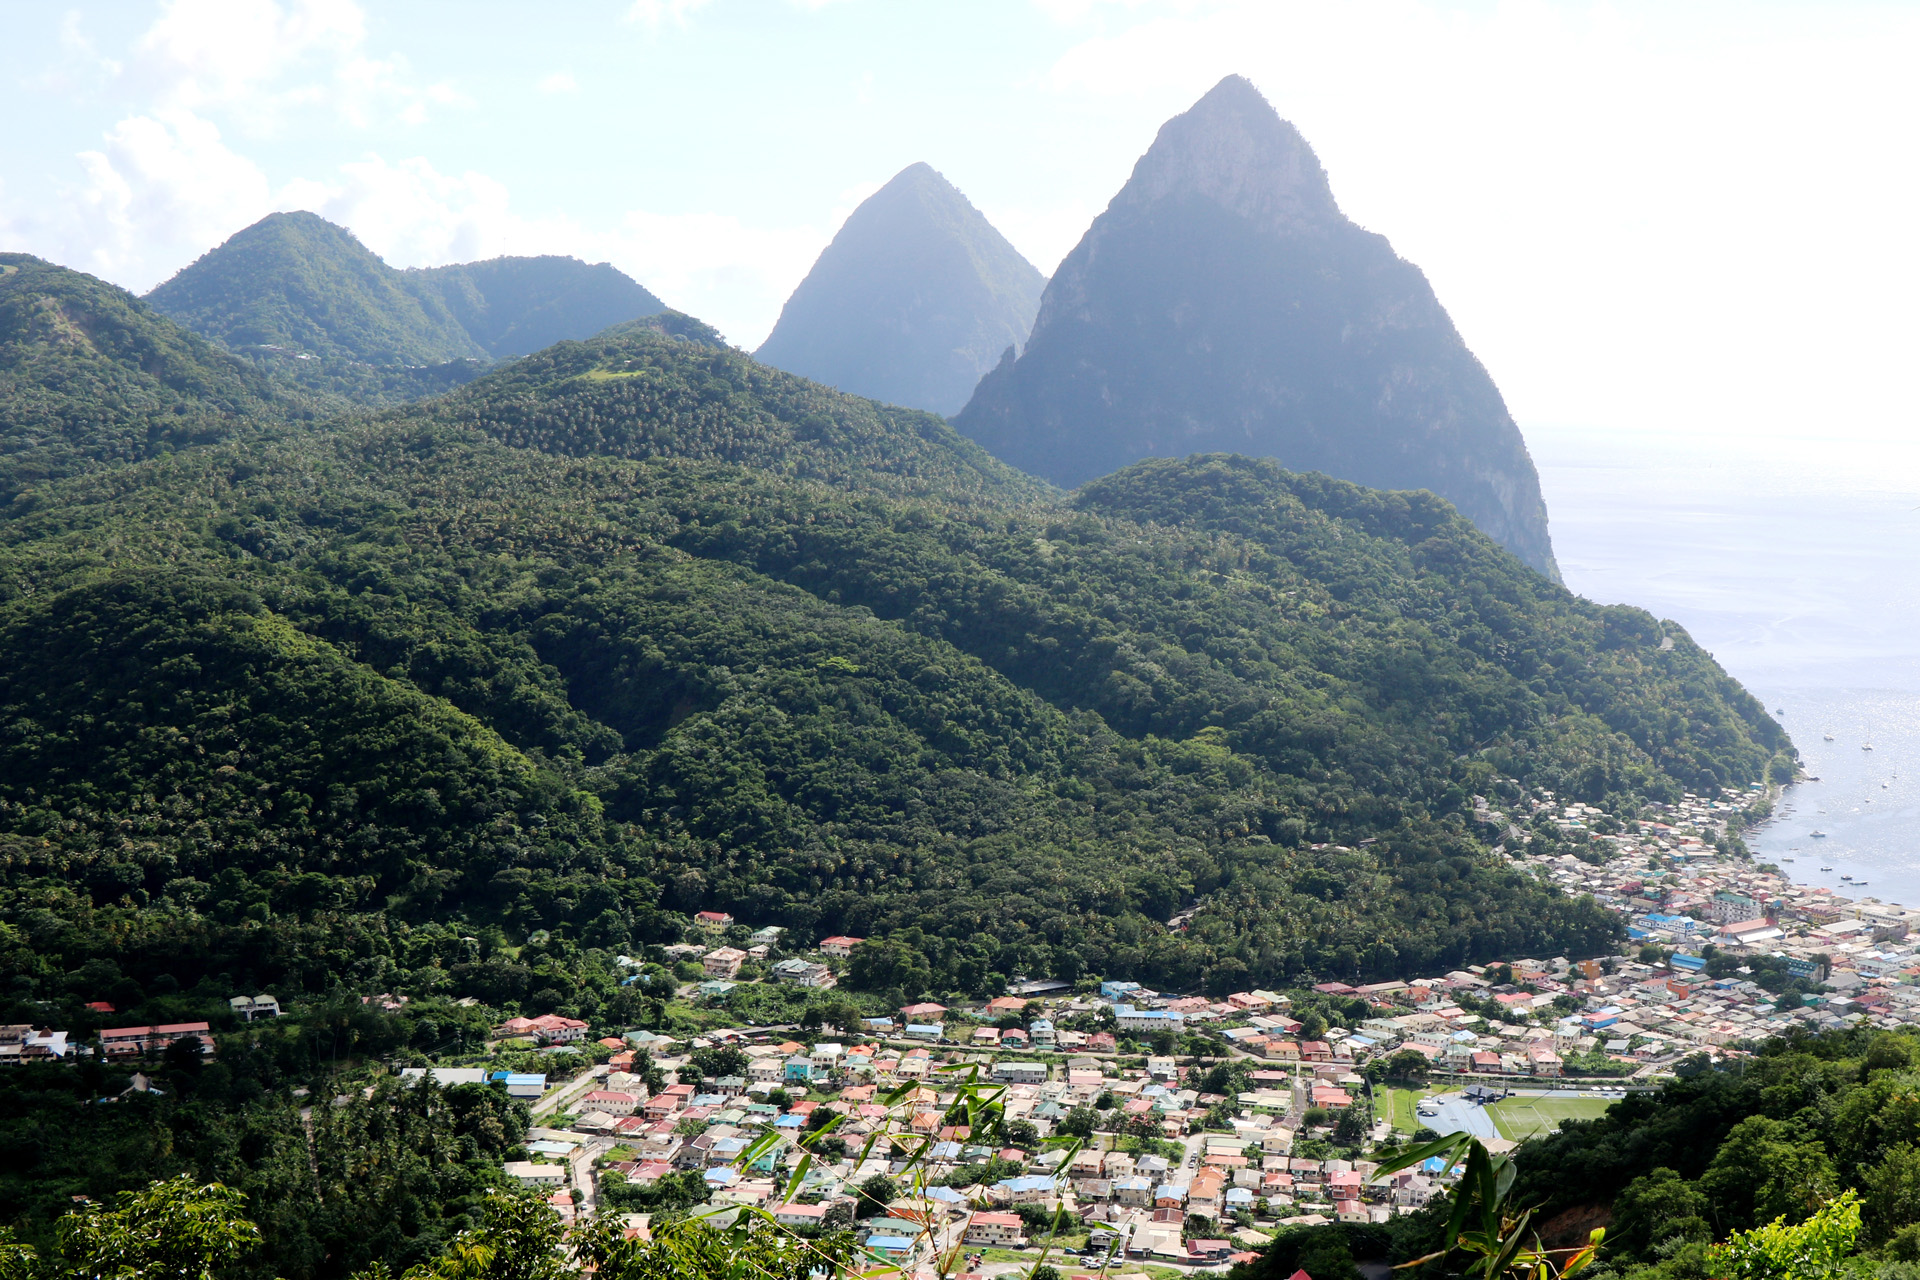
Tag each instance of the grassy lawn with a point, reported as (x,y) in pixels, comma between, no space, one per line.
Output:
(1524,1117)
(1399,1105)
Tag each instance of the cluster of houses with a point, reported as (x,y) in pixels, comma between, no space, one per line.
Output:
(22,1043)
(26,1043)
(1146,1200)
(1676,891)
(722,964)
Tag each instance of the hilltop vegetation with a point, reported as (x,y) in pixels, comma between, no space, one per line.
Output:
(637,626)
(304,300)
(90,377)
(516,306)
(297,281)
(1733,1147)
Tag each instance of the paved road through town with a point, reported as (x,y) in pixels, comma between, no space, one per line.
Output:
(559,1097)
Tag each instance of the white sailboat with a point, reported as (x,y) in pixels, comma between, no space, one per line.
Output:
(1868,744)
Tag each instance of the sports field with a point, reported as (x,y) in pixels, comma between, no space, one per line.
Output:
(1518,1118)
(1399,1106)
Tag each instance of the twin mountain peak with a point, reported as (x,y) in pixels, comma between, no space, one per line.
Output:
(1221,303)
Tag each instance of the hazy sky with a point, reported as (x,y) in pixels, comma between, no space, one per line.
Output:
(1690,218)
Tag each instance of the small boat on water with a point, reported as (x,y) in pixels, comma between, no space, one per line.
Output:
(1818,835)
(1828,735)
(1826,868)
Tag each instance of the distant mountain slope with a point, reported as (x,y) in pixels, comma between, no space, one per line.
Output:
(296,280)
(669,387)
(513,306)
(637,626)
(1223,302)
(90,376)
(913,301)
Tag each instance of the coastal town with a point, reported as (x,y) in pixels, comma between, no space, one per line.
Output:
(1721,953)
(1167,1129)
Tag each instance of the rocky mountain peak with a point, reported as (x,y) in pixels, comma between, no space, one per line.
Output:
(1233,148)
(1223,303)
(912,302)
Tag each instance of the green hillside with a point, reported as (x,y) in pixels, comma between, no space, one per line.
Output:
(304,299)
(297,281)
(669,387)
(636,627)
(1735,1147)
(513,306)
(90,377)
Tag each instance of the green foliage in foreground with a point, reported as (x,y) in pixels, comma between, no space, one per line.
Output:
(179,1230)
(1809,1121)
(171,1230)
(1813,1250)
(268,710)
(392,1175)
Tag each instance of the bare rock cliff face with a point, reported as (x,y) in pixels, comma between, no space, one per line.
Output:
(1223,303)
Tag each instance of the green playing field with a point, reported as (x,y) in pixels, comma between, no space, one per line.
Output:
(1524,1117)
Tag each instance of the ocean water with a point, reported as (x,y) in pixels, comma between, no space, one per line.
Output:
(1793,564)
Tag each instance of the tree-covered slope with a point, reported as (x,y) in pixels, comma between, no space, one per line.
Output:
(306,298)
(513,306)
(1735,1146)
(637,626)
(297,281)
(913,301)
(91,377)
(668,387)
(1223,302)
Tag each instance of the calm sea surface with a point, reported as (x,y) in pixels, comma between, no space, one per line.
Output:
(1794,564)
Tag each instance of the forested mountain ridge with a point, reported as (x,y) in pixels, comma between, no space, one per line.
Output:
(305,298)
(515,306)
(912,302)
(90,377)
(636,627)
(669,387)
(1223,301)
(297,281)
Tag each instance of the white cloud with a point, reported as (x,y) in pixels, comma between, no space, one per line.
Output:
(163,188)
(253,63)
(654,13)
(559,82)
(217,53)
(1070,12)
